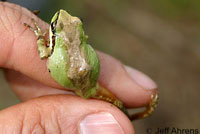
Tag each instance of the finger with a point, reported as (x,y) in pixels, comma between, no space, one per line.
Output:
(26,88)
(53,114)
(129,85)
(20,53)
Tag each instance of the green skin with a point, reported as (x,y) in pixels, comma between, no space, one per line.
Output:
(71,61)
(74,64)
(59,54)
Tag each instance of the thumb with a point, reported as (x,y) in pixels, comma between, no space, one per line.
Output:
(64,114)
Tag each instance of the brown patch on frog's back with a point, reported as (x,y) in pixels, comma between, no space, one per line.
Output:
(79,69)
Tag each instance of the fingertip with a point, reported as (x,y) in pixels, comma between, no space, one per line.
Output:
(141,79)
(114,76)
(99,123)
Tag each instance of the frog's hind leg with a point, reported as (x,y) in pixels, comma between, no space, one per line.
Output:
(105,95)
(43,50)
(150,108)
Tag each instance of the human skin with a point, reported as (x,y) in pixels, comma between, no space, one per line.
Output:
(46,106)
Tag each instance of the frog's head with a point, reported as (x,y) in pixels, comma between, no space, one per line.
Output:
(63,21)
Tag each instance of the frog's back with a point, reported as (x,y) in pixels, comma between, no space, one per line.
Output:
(68,64)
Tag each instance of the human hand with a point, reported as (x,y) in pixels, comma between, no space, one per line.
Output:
(60,112)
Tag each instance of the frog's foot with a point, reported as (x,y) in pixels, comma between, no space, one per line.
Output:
(105,95)
(43,50)
(36,12)
(149,108)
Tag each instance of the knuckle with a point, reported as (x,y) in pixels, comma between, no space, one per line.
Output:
(42,119)
(37,129)
(31,122)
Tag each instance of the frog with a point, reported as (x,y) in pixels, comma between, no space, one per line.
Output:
(73,63)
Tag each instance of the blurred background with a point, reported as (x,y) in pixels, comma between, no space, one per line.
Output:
(159,37)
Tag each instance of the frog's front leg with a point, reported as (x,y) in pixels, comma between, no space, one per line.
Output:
(43,50)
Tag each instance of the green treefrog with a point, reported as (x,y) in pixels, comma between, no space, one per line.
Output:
(72,62)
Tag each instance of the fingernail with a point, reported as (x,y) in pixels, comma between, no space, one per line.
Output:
(100,123)
(141,79)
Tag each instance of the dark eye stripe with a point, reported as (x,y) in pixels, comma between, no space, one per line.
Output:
(53,42)
(53,29)
(53,24)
